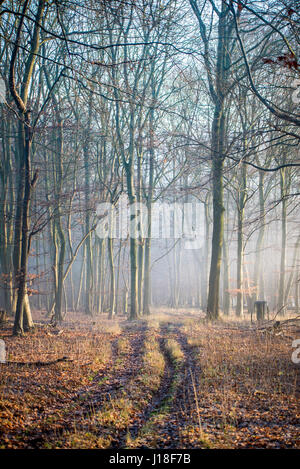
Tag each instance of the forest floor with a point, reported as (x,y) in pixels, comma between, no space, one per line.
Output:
(171,381)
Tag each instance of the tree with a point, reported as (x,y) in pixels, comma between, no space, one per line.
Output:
(26,182)
(217,76)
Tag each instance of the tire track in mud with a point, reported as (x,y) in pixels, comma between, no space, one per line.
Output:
(162,401)
(115,376)
(121,368)
(157,400)
(184,409)
(182,404)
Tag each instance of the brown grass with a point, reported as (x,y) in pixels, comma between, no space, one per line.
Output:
(245,387)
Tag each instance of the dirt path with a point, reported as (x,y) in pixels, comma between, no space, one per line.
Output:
(155,403)
(158,384)
(122,367)
(182,412)
(161,422)
(107,384)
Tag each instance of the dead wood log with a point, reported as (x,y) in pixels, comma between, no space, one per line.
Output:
(39,363)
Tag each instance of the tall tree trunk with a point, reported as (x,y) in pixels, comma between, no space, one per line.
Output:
(226,294)
(26,185)
(133,263)
(147,267)
(205,255)
(141,242)
(88,243)
(240,241)
(217,75)
(6,228)
(112,302)
(258,272)
(218,142)
(283,191)
(21,311)
(218,216)
(59,232)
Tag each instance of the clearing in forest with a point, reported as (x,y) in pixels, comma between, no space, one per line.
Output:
(172,381)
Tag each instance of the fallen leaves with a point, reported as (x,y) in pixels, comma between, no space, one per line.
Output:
(243,392)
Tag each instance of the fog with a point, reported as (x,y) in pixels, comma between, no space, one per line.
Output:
(149,158)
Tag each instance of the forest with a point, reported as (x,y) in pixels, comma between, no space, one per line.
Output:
(149,224)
